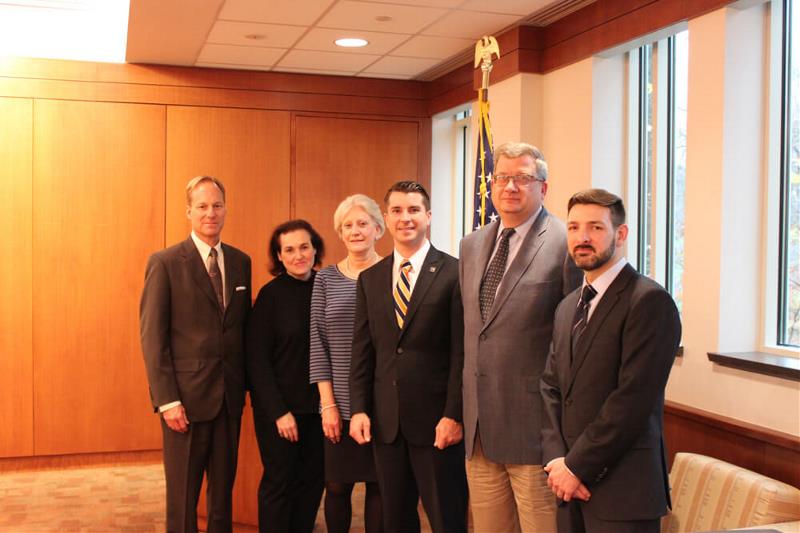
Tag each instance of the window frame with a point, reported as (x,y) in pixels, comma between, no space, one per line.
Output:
(784,175)
(651,182)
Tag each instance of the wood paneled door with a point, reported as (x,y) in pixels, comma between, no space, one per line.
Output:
(248,150)
(337,157)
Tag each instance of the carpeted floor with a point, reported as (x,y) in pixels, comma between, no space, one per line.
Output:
(103,500)
(123,498)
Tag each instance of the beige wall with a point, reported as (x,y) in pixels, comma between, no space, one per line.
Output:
(582,124)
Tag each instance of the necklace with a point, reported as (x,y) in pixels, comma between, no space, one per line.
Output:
(352,273)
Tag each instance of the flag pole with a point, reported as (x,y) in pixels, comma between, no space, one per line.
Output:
(485,48)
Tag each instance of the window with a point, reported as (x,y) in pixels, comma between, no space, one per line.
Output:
(788,322)
(656,188)
(451,176)
(463,168)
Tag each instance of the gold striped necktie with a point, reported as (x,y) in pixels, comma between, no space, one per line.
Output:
(402,292)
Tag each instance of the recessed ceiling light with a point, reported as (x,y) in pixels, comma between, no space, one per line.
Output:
(351,42)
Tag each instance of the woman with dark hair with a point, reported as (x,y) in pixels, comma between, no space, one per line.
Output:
(285,405)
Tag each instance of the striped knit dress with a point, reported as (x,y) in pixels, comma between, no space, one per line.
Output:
(333,309)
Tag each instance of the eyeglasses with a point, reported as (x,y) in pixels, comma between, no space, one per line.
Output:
(522,180)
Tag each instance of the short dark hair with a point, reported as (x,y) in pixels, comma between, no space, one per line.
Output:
(408,187)
(603,198)
(277,268)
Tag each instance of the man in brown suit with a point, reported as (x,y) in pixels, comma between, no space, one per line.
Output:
(194,306)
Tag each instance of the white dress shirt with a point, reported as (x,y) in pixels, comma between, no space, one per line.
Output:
(416,265)
(602,283)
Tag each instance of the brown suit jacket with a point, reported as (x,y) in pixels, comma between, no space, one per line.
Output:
(193,352)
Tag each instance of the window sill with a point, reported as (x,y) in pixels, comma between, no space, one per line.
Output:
(760,362)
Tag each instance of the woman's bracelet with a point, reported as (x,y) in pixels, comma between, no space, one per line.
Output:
(327,407)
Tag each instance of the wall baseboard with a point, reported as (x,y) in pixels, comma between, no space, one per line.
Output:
(80,460)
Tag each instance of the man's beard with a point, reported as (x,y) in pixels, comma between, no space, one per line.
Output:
(596,260)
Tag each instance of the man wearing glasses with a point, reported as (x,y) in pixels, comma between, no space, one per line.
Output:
(513,273)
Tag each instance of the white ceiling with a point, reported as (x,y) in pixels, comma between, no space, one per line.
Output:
(408,39)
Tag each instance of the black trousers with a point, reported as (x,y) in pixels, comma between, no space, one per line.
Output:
(406,472)
(575,517)
(293,480)
(208,447)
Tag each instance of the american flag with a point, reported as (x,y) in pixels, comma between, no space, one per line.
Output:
(484,167)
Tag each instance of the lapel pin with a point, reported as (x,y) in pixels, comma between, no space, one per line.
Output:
(432,269)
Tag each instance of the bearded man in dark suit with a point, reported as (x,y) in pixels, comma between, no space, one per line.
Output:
(614,342)
(194,306)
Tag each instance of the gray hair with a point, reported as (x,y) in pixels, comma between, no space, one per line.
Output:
(512,150)
(364,202)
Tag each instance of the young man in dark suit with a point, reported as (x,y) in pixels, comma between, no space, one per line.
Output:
(405,374)
(614,342)
(194,306)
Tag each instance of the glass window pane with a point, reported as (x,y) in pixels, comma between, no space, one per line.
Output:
(646,160)
(678,186)
(790,250)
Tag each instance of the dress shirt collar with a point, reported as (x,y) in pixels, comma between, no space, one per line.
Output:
(603,282)
(204,248)
(521,231)
(416,260)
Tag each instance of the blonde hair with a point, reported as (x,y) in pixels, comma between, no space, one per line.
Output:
(195,183)
(364,202)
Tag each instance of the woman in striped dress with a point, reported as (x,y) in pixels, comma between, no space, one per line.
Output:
(359,223)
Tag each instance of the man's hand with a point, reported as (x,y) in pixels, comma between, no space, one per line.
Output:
(287,427)
(563,483)
(448,432)
(176,420)
(360,428)
(332,424)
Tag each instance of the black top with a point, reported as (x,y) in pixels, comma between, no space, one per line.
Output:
(277,346)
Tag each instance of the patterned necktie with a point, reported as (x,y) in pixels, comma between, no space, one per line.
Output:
(402,292)
(581,315)
(216,278)
(494,274)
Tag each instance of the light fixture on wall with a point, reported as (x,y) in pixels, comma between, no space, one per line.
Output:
(351,42)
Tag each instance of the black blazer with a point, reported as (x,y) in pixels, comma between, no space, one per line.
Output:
(407,380)
(604,412)
(192,351)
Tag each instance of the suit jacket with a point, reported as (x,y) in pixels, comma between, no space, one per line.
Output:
(407,380)
(504,356)
(605,409)
(193,352)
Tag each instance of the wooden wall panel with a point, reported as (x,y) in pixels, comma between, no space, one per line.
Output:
(249,151)
(766,451)
(16,353)
(337,157)
(98,212)
(174,76)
